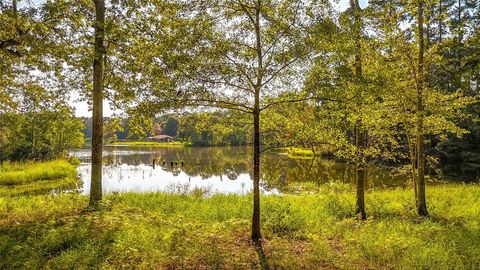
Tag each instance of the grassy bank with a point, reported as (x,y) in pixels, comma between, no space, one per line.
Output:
(36,177)
(167,231)
(152,144)
(294,152)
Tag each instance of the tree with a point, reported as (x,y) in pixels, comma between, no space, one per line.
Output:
(32,95)
(355,86)
(414,105)
(28,50)
(97,121)
(111,128)
(41,128)
(360,132)
(214,128)
(171,126)
(237,55)
(422,204)
(255,56)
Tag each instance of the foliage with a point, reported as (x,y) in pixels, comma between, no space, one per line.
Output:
(217,128)
(111,128)
(170,127)
(40,133)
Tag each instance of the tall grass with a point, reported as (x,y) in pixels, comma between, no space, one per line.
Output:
(167,231)
(23,173)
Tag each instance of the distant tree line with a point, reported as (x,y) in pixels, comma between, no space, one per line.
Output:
(38,132)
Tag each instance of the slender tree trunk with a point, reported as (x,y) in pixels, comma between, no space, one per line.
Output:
(440,20)
(428,36)
(97,121)
(359,131)
(360,175)
(256,177)
(256,126)
(459,18)
(458,75)
(413,164)
(422,204)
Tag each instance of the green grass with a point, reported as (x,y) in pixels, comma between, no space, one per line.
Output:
(294,152)
(41,187)
(152,144)
(24,173)
(305,153)
(297,152)
(30,178)
(311,231)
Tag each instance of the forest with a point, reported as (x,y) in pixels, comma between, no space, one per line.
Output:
(261,134)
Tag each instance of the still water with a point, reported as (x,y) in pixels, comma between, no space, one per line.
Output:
(218,170)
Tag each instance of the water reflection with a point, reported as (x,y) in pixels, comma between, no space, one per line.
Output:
(220,169)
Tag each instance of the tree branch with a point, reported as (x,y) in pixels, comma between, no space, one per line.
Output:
(279,70)
(297,100)
(215,103)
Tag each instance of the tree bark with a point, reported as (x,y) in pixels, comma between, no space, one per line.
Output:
(359,132)
(360,175)
(97,121)
(256,177)
(413,164)
(256,127)
(440,20)
(422,205)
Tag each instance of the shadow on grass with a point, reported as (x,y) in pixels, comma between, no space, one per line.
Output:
(261,255)
(69,241)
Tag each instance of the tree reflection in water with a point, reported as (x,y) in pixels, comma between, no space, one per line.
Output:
(214,164)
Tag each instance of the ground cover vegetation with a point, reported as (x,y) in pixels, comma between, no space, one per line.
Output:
(310,231)
(391,82)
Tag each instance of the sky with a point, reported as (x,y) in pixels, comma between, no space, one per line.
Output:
(82,110)
(343,4)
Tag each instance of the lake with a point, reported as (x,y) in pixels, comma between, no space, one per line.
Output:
(218,170)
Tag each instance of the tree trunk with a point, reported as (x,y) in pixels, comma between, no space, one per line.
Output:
(422,205)
(459,18)
(256,177)
(440,20)
(413,164)
(359,132)
(458,63)
(360,174)
(97,121)
(256,127)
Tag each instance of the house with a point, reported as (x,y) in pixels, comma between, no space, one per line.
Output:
(161,138)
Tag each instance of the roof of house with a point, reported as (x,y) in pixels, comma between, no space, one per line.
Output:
(161,136)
